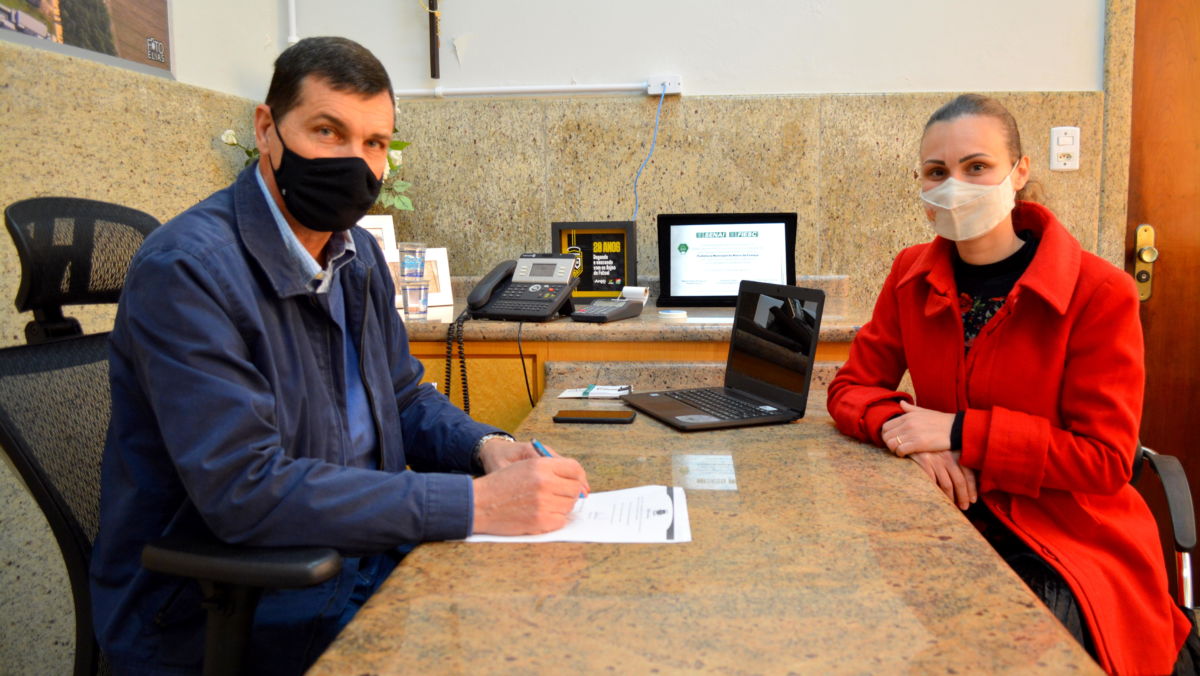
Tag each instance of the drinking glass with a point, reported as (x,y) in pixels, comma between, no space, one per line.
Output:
(412,259)
(415,298)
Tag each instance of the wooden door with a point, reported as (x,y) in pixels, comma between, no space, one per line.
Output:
(1164,191)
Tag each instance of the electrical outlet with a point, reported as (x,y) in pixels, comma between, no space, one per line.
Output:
(655,84)
(1064,148)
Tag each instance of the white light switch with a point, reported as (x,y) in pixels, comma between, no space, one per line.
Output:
(1064,149)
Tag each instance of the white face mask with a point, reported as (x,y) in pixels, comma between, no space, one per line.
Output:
(963,211)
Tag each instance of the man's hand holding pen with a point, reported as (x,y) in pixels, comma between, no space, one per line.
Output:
(525,491)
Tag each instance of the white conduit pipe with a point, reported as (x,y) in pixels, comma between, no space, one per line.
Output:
(443,92)
(292,37)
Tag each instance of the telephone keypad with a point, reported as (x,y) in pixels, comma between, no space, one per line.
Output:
(527,301)
(537,287)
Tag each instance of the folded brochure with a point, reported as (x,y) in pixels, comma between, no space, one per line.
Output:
(596,392)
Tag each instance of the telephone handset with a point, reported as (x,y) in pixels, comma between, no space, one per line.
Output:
(486,287)
(532,288)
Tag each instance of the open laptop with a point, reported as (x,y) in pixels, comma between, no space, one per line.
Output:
(771,355)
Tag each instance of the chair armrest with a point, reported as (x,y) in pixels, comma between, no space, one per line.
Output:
(266,567)
(1179,497)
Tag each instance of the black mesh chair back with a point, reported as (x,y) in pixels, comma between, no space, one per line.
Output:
(54,410)
(73,252)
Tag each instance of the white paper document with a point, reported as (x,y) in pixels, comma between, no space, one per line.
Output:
(714,259)
(652,514)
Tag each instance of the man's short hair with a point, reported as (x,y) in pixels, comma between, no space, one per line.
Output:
(346,65)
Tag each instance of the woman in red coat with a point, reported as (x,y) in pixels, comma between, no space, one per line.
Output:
(1025,354)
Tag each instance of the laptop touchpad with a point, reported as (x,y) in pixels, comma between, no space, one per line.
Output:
(696,418)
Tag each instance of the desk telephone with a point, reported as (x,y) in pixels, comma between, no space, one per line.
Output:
(532,288)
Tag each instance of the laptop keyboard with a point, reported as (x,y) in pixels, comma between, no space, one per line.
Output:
(718,404)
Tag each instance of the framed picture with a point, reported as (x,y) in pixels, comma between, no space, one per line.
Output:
(437,271)
(605,255)
(128,32)
(384,230)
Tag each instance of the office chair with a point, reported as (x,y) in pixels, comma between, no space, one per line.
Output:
(1183,517)
(54,414)
(73,251)
(41,389)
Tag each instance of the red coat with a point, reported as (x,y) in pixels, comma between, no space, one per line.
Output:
(1052,390)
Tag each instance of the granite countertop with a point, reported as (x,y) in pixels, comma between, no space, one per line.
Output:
(701,325)
(839,322)
(830,556)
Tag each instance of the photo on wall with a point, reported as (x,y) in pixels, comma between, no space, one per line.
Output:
(134,30)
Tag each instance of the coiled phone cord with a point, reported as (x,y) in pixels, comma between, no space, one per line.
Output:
(454,332)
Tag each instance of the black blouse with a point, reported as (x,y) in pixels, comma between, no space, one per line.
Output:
(982,290)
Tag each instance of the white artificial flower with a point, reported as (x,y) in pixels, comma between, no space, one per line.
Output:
(228,138)
(386,171)
(395,157)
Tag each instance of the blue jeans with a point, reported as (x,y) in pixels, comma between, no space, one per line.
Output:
(292,627)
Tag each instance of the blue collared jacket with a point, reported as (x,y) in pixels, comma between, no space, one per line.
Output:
(228,419)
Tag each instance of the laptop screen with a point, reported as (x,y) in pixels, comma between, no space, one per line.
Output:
(774,341)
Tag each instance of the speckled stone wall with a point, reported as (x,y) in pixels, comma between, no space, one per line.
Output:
(1118,108)
(77,128)
(491,175)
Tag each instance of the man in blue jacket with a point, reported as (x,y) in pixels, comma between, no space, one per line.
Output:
(264,393)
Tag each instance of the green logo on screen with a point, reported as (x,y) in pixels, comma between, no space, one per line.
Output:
(683,248)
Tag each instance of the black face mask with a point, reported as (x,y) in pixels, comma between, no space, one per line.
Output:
(328,194)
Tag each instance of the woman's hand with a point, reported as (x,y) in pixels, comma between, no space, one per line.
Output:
(956,481)
(917,430)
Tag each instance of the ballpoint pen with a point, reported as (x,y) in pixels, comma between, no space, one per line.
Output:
(537,445)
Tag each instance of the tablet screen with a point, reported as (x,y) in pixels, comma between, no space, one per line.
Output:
(704,257)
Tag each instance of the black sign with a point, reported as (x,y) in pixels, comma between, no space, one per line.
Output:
(605,255)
